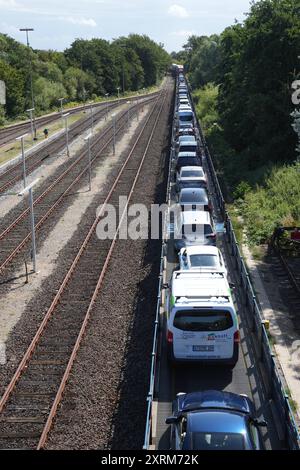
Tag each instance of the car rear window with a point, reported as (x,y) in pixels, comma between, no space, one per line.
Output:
(204,260)
(192,173)
(214,441)
(204,320)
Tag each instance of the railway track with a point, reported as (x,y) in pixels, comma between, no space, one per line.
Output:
(287,272)
(31,400)
(14,173)
(16,234)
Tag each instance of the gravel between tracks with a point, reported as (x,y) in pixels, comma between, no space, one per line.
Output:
(105,401)
(23,305)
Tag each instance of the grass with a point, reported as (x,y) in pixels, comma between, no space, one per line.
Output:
(293,404)
(258,252)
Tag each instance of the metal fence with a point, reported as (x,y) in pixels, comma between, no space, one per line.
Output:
(151,392)
(275,387)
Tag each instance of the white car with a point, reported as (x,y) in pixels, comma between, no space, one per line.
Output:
(202,323)
(202,258)
(191,177)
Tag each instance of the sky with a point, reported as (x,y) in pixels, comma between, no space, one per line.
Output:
(57,23)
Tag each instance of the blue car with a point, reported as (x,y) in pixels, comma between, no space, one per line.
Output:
(213,420)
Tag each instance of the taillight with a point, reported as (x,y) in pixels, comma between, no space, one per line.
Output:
(169,337)
(236,337)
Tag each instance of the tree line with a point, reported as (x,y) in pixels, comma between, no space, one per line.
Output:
(86,70)
(242,87)
(253,64)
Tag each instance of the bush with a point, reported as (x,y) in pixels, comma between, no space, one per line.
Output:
(275,204)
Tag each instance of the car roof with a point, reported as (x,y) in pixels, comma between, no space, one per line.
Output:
(190,143)
(209,286)
(200,250)
(185,112)
(195,217)
(187,154)
(192,168)
(214,399)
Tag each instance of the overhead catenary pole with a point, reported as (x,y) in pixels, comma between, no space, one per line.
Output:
(128,113)
(114,133)
(88,140)
(65,116)
(92,114)
(29,189)
(30,77)
(31,123)
(21,139)
(61,109)
(106,96)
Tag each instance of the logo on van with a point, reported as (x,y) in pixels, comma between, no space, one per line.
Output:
(211,337)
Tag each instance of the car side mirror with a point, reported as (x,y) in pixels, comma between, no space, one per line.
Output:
(171,420)
(231,285)
(261,423)
(165,286)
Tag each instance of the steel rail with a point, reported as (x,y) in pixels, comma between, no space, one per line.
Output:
(66,375)
(59,141)
(14,129)
(24,361)
(21,245)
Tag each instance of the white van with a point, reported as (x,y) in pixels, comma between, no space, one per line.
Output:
(202,324)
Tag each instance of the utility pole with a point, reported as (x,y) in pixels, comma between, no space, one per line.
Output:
(31,123)
(65,116)
(21,139)
(61,109)
(29,189)
(30,73)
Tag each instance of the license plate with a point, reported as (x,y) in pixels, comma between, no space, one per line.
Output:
(203,348)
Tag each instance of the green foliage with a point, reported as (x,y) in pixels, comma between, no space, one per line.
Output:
(86,70)
(47,93)
(15,89)
(206,106)
(275,204)
(258,64)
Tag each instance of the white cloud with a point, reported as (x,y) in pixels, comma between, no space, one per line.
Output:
(183,33)
(178,11)
(9,29)
(9,4)
(81,21)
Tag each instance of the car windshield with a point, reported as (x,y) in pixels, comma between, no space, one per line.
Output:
(193,197)
(186,117)
(214,441)
(199,229)
(188,161)
(188,148)
(192,174)
(204,320)
(210,261)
